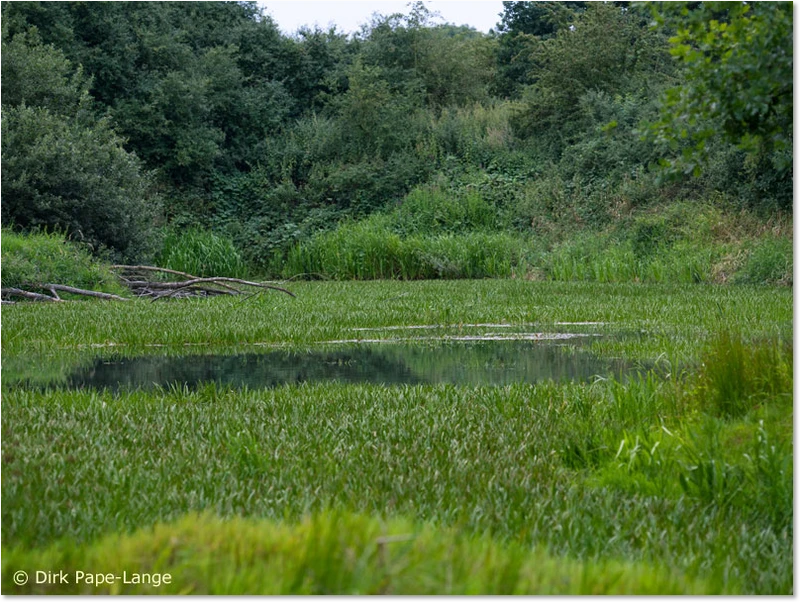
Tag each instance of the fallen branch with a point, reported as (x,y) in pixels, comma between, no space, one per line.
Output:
(192,286)
(79,291)
(18,292)
(150,268)
(221,280)
(189,292)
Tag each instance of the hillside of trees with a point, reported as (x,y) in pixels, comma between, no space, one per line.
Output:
(571,130)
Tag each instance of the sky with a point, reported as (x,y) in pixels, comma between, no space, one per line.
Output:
(348,16)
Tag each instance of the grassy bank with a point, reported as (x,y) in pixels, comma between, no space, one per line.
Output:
(331,553)
(438,233)
(29,260)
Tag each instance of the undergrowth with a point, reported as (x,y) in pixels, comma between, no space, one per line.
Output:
(441,232)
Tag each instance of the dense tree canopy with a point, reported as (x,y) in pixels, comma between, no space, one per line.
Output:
(738,81)
(271,138)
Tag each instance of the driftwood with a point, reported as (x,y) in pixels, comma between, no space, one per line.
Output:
(132,276)
(16,292)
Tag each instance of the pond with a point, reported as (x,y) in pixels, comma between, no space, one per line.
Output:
(464,360)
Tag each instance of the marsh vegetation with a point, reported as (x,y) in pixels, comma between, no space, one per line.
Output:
(634,483)
(541,333)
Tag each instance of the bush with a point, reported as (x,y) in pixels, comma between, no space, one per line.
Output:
(63,168)
(42,258)
(201,253)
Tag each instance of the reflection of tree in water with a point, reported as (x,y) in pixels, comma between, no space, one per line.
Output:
(490,362)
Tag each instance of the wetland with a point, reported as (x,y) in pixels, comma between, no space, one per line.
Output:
(593,424)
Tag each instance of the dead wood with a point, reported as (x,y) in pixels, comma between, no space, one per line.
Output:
(135,281)
(79,291)
(150,268)
(17,292)
(221,280)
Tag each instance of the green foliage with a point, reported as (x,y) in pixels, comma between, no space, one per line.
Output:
(63,168)
(61,174)
(609,50)
(272,140)
(333,552)
(201,253)
(522,25)
(738,81)
(34,259)
(375,118)
(37,75)
(737,376)
(769,261)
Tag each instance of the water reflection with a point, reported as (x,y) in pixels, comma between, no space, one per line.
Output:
(470,363)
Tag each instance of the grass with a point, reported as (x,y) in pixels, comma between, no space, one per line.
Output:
(368,250)
(331,553)
(515,463)
(674,318)
(32,259)
(201,253)
(554,487)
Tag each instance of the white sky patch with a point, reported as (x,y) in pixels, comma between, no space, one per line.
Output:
(348,16)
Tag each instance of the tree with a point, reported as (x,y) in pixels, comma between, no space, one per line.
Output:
(64,168)
(522,26)
(738,84)
(609,49)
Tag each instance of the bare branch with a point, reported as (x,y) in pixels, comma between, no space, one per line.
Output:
(17,292)
(220,281)
(150,268)
(80,291)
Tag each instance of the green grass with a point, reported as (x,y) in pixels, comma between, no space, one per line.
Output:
(661,471)
(371,250)
(769,261)
(664,320)
(32,259)
(201,253)
(330,553)
(515,463)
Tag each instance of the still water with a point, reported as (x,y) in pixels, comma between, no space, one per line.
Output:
(494,362)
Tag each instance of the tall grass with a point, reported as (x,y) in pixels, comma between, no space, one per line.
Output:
(369,250)
(769,261)
(433,210)
(333,552)
(737,375)
(31,259)
(201,253)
